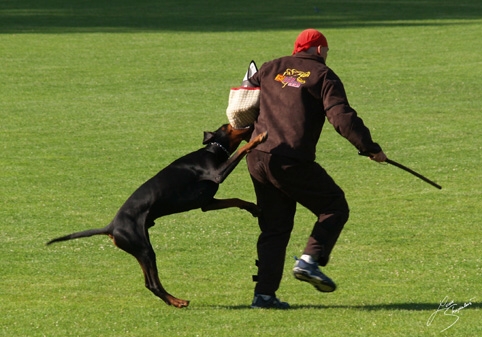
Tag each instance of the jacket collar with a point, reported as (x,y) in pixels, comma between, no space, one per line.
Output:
(305,55)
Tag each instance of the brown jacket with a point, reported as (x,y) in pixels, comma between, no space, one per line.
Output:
(297,93)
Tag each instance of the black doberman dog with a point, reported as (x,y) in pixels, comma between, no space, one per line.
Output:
(188,183)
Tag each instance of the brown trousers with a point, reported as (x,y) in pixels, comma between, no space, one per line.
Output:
(280,183)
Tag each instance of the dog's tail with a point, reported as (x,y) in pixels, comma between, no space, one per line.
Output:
(90,232)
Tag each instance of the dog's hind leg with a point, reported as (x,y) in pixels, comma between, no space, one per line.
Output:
(137,243)
(147,260)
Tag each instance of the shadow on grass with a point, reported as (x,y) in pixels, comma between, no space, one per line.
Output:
(53,16)
(367,307)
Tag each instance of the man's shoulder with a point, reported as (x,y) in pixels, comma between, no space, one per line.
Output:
(300,61)
(284,61)
(277,60)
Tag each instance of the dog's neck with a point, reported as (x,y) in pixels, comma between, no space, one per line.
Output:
(218,148)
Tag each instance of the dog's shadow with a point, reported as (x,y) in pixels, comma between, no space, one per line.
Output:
(366,307)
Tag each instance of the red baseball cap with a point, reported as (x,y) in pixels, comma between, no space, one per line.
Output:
(309,38)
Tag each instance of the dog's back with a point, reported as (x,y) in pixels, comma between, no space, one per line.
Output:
(183,185)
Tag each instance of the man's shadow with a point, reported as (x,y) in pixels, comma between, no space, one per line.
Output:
(365,307)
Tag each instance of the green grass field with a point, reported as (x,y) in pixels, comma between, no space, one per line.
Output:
(97,96)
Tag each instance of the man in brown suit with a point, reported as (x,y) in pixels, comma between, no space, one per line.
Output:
(297,93)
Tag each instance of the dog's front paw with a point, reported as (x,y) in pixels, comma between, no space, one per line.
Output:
(262,137)
(254,209)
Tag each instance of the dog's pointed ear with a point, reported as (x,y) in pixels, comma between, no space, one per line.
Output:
(208,137)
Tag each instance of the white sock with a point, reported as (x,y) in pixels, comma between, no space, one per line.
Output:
(307,259)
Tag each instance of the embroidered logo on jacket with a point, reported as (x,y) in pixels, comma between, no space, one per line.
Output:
(292,78)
